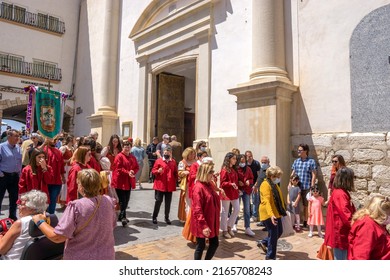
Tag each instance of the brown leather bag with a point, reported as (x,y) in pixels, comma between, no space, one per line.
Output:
(325,253)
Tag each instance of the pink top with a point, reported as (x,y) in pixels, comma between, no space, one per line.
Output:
(84,245)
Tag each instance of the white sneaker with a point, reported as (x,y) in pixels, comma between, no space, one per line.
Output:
(234,228)
(249,232)
(253,220)
(320,235)
(310,234)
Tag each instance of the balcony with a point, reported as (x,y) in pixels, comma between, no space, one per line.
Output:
(41,21)
(30,69)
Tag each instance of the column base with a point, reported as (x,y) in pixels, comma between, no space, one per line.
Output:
(105,123)
(265,109)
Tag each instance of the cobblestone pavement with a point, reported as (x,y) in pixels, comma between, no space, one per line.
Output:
(165,242)
(142,240)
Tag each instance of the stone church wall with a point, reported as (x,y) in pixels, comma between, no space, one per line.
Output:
(368,154)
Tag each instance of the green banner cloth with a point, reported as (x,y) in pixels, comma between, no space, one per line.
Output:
(48,112)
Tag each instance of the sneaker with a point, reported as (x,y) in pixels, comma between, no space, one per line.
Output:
(124,222)
(226,235)
(154,220)
(253,220)
(262,246)
(140,186)
(231,233)
(320,235)
(310,234)
(249,232)
(298,229)
(304,224)
(234,228)
(260,224)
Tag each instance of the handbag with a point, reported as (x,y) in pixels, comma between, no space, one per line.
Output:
(287,226)
(325,253)
(90,217)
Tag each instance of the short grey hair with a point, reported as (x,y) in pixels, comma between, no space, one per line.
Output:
(35,200)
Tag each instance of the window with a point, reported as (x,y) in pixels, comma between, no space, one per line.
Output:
(19,14)
(44,69)
(11,63)
(6,10)
(54,24)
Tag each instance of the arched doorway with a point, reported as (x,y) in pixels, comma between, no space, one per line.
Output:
(174,99)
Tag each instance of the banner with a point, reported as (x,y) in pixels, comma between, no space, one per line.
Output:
(48,112)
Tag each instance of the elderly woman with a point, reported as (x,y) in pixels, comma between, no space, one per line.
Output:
(271,211)
(372,219)
(14,240)
(206,206)
(87,225)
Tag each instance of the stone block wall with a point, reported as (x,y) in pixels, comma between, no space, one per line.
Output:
(368,154)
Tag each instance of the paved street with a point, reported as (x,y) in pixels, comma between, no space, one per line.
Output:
(142,240)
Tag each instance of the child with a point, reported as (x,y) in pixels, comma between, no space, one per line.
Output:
(315,211)
(293,197)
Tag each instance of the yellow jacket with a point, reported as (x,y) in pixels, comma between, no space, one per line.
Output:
(267,207)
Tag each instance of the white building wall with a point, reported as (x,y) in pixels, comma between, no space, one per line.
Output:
(231,63)
(31,43)
(325,29)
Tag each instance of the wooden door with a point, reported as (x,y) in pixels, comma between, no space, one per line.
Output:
(170,105)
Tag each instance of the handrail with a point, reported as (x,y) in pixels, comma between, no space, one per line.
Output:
(45,22)
(15,66)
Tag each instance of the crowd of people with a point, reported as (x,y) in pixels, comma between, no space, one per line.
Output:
(94,183)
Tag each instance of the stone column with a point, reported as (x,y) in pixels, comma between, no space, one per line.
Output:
(268,49)
(202,107)
(104,121)
(263,103)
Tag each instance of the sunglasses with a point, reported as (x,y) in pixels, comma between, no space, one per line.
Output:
(300,151)
(335,161)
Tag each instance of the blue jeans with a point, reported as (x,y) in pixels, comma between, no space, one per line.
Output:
(340,254)
(274,232)
(247,213)
(54,192)
(256,203)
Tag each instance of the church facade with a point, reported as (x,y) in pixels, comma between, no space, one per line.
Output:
(259,75)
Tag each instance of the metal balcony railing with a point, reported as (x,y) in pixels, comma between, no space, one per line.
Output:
(30,69)
(41,21)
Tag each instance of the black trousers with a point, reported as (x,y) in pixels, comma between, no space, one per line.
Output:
(159,196)
(201,244)
(151,164)
(10,183)
(124,197)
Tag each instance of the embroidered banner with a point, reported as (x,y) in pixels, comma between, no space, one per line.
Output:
(48,112)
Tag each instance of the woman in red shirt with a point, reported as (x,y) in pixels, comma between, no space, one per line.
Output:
(124,168)
(339,215)
(229,183)
(206,206)
(368,238)
(245,183)
(113,148)
(79,162)
(37,174)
